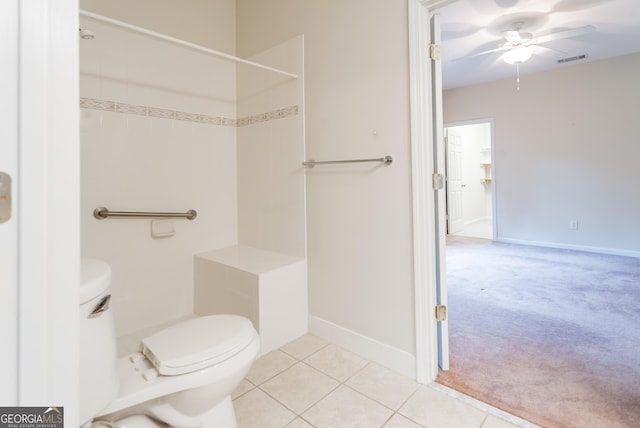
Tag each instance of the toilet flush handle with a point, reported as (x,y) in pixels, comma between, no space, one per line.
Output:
(102,306)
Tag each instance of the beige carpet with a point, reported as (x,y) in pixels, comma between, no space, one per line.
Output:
(552,336)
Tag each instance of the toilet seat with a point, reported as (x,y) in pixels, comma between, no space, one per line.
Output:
(138,385)
(197,343)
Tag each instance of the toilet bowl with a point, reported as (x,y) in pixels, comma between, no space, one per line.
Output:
(182,376)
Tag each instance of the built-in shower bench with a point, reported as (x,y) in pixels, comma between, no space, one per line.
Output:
(268,288)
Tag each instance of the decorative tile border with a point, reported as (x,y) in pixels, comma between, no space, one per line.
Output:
(115,107)
(271,115)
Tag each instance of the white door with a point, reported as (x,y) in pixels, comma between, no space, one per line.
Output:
(8,184)
(470,192)
(39,236)
(454,182)
(440,196)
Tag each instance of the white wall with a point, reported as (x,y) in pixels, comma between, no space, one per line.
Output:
(357,106)
(564,150)
(157,134)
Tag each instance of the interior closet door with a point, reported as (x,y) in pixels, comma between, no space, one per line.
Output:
(440,196)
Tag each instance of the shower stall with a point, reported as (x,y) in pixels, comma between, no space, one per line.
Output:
(167,125)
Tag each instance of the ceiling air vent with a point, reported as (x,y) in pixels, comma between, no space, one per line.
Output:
(572,58)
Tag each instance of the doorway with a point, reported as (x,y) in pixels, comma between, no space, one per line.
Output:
(470,179)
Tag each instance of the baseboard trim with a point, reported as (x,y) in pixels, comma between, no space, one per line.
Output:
(393,358)
(600,250)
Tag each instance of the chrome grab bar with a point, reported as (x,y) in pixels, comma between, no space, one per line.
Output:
(311,163)
(101,213)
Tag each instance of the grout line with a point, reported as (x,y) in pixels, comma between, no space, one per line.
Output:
(307,356)
(405,417)
(484,421)
(405,402)
(310,406)
(275,375)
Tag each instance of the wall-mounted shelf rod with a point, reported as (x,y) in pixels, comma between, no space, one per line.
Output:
(311,163)
(101,213)
(176,41)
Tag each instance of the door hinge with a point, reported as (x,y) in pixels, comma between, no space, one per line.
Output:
(434,51)
(5,197)
(438,181)
(441,313)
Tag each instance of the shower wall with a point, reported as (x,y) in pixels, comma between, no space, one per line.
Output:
(158,133)
(165,128)
(271,186)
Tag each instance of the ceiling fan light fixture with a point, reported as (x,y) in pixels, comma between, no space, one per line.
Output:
(517,54)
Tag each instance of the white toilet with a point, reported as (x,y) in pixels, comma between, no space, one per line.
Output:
(183,376)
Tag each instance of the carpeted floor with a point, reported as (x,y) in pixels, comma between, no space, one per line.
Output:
(552,336)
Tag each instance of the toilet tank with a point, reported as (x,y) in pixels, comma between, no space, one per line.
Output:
(98,354)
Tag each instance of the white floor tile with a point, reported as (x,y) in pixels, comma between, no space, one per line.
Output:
(255,409)
(496,422)
(345,407)
(430,407)
(399,421)
(335,388)
(304,346)
(490,410)
(244,387)
(299,423)
(299,387)
(336,362)
(383,385)
(269,365)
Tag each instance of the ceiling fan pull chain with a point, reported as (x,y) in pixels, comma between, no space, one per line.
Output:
(518,76)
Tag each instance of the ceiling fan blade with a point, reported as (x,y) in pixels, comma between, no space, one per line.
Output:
(574,32)
(482,53)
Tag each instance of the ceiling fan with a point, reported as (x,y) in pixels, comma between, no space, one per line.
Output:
(518,45)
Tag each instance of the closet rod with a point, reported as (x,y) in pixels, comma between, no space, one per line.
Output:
(182,42)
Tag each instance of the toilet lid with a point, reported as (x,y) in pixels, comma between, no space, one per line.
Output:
(197,343)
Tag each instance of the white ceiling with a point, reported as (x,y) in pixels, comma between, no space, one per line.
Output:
(473,26)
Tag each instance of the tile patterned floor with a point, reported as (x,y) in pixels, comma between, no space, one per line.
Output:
(313,383)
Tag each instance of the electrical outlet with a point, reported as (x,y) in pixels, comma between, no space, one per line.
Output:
(573,224)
